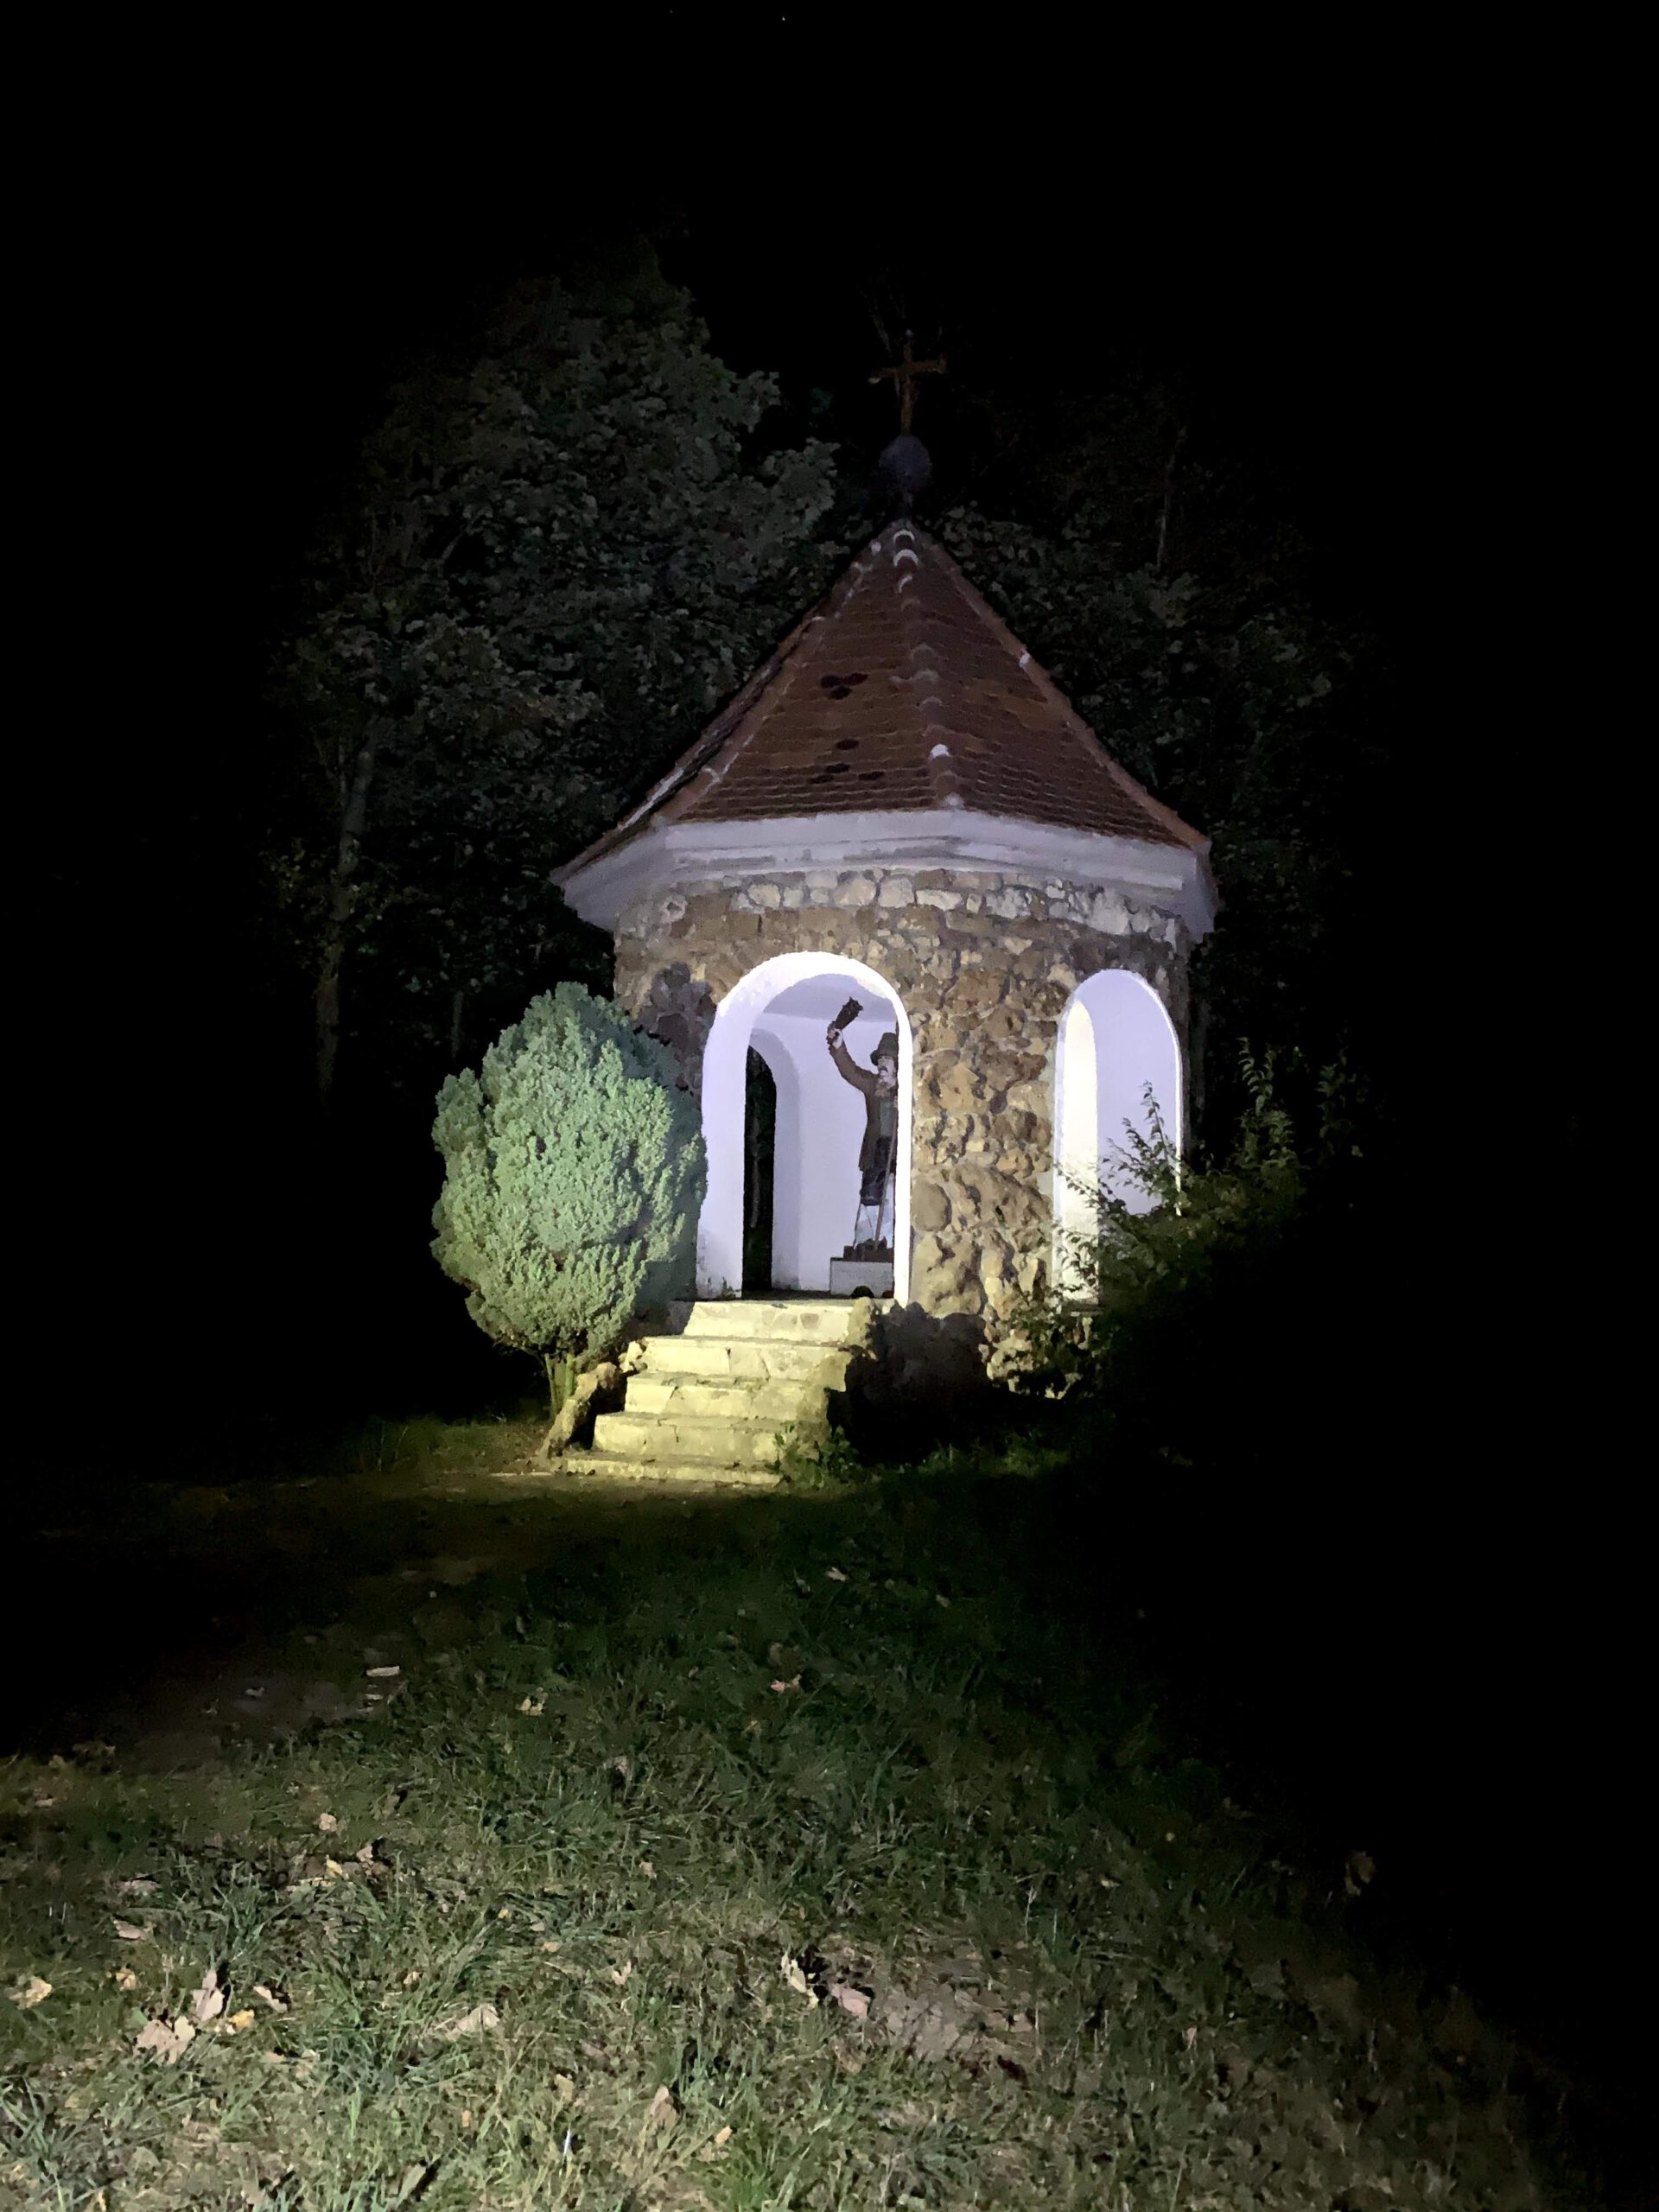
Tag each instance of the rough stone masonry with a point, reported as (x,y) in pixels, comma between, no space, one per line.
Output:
(984,964)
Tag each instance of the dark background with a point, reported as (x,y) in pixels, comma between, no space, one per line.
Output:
(1444,1567)
(256,340)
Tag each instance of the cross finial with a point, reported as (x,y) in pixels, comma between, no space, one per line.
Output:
(904,373)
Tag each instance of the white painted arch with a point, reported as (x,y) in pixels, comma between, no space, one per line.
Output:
(1116,1039)
(819,1118)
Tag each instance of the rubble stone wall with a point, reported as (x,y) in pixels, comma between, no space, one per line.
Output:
(984,964)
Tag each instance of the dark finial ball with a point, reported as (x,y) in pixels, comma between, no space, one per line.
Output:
(905,469)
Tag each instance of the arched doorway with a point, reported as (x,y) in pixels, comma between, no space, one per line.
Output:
(759,1153)
(1116,1040)
(780,1010)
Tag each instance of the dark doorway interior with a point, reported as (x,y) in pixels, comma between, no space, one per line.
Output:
(760,1139)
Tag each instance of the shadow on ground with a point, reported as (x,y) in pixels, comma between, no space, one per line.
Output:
(1402,1688)
(173,1620)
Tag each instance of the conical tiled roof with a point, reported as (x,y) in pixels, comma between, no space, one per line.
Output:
(902,693)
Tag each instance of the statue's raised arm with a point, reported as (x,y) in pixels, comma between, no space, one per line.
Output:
(863,1079)
(847,1068)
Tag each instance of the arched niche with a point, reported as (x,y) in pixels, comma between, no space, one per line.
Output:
(1116,1039)
(781,1010)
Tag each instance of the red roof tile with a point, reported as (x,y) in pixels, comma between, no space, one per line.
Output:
(903,691)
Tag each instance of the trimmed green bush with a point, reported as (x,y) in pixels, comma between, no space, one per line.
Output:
(573,1177)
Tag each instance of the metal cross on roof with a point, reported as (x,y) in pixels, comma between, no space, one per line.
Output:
(904,373)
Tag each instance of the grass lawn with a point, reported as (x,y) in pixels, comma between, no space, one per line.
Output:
(784,1850)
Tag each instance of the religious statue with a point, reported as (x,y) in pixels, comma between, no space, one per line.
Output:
(879,1084)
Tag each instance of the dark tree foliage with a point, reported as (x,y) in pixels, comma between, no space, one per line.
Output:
(569,546)
(563,554)
(1175,608)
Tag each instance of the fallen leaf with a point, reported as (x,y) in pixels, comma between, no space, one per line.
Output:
(269,1997)
(620,1974)
(238,2021)
(123,1978)
(551,1944)
(130,1932)
(166,2042)
(793,1974)
(470,2023)
(834,1575)
(29,1992)
(665,2109)
(138,1885)
(563,2087)
(851,2001)
(793,1683)
(1335,2000)
(327,1823)
(715,2145)
(365,1856)
(532,1705)
(382,1674)
(208,2002)
(334,1868)
(1360,1869)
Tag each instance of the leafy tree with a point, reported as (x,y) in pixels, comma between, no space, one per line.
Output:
(561,556)
(1248,1259)
(1172,605)
(573,1177)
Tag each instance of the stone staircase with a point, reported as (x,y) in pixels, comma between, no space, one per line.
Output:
(713,1394)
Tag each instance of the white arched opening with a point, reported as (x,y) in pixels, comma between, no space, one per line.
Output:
(781,1010)
(1116,1040)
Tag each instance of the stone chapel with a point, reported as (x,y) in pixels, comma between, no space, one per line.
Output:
(900,808)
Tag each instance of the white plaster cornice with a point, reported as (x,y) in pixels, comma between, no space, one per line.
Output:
(1173,878)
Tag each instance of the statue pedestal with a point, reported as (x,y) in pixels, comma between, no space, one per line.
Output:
(848,1276)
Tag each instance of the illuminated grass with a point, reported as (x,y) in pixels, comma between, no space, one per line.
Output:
(1089,1980)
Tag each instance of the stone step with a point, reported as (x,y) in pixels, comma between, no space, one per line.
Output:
(746,1398)
(826,1320)
(618,1466)
(760,1359)
(715,1440)
(715,1391)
